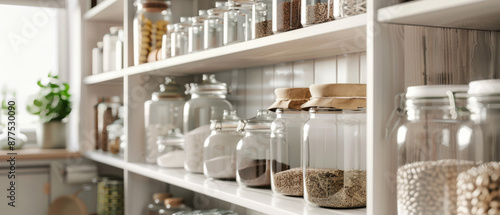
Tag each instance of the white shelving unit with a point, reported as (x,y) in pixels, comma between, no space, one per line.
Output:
(109,10)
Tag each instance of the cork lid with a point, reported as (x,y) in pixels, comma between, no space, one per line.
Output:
(290,98)
(338,96)
(174,202)
(161,196)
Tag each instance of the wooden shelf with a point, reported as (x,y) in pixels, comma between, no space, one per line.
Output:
(108,10)
(106,158)
(107,77)
(464,14)
(261,200)
(39,154)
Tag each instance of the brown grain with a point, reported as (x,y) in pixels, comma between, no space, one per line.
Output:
(318,13)
(288,15)
(264,29)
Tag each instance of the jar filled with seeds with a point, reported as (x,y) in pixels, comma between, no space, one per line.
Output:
(150,23)
(334,154)
(208,101)
(219,153)
(253,160)
(161,114)
(262,19)
(286,15)
(195,32)
(479,190)
(214,26)
(347,8)
(237,21)
(166,47)
(286,140)
(179,38)
(430,154)
(316,11)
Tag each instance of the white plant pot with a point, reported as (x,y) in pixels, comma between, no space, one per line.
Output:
(51,135)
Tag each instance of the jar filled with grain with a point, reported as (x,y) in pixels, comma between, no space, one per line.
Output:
(107,113)
(262,18)
(237,21)
(430,154)
(316,11)
(195,32)
(219,153)
(286,15)
(286,140)
(347,8)
(150,23)
(162,113)
(253,151)
(179,38)
(334,154)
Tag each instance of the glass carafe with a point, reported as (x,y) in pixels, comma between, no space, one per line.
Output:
(237,21)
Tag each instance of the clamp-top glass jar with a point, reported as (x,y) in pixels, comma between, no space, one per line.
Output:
(219,154)
(208,101)
(161,114)
(429,154)
(334,154)
(214,26)
(237,21)
(179,37)
(150,23)
(253,151)
(195,32)
(262,18)
(286,140)
(166,47)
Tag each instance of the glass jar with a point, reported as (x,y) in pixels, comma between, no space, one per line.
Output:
(173,205)
(262,19)
(219,153)
(347,8)
(195,32)
(97,57)
(109,49)
(429,155)
(150,23)
(317,11)
(208,101)
(237,21)
(158,204)
(213,30)
(119,50)
(161,114)
(116,134)
(171,149)
(110,198)
(253,151)
(286,15)
(179,38)
(107,113)
(166,47)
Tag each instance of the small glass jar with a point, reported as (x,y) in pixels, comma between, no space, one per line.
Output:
(116,134)
(237,21)
(171,149)
(110,198)
(107,113)
(195,32)
(347,8)
(253,151)
(213,35)
(161,114)
(150,23)
(97,57)
(158,203)
(429,154)
(173,205)
(219,153)
(179,38)
(262,18)
(166,47)
(208,101)
(286,15)
(317,11)
(109,49)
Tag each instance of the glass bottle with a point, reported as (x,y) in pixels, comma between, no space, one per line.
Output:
(107,113)
(429,154)
(347,8)
(161,114)
(97,58)
(158,204)
(109,49)
(166,47)
(171,149)
(262,19)
(237,21)
(253,164)
(150,23)
(116,134)
(195,32)
(317,11)
(213,30)
(179,37)
(219,153)
(119,51)
(286,15)
(173,205)
(208,101)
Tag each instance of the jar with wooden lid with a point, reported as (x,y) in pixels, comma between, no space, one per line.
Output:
(334,154)
(173,205)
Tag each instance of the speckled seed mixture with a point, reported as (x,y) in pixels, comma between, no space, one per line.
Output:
(479,190)
(289,182)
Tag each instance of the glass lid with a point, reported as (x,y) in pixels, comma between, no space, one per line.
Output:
(174,137)
(208,85)
(263,120)
(169,90)
(229,121)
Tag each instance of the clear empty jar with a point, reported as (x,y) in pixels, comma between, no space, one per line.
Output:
(253,159)
(347,8)
(195,32)
(237,21)
(262,19)
(208,101)
(166,47)
(158,203)
(334,155)
(430,156)
(286,15)
(214,26)
(286,140)
(150,23)
(219,154)
(317,11)
(161,114)
(179,38)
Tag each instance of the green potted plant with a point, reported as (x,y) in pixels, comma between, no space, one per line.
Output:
(52,104)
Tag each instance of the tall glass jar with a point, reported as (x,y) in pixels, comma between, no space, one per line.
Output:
(429,154)
(107,113)
(237,21)
(286,15)
(213,35)
(286,140)
(97,57)
(158,204)
(166,47)
(109,49)
(262,18)
(347,8)
(334,154)
(219,153)
(179,38)
(317,11)
(171,149)
(150,23)
(253,151)
(208,101)
(195,32)
(161,114)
